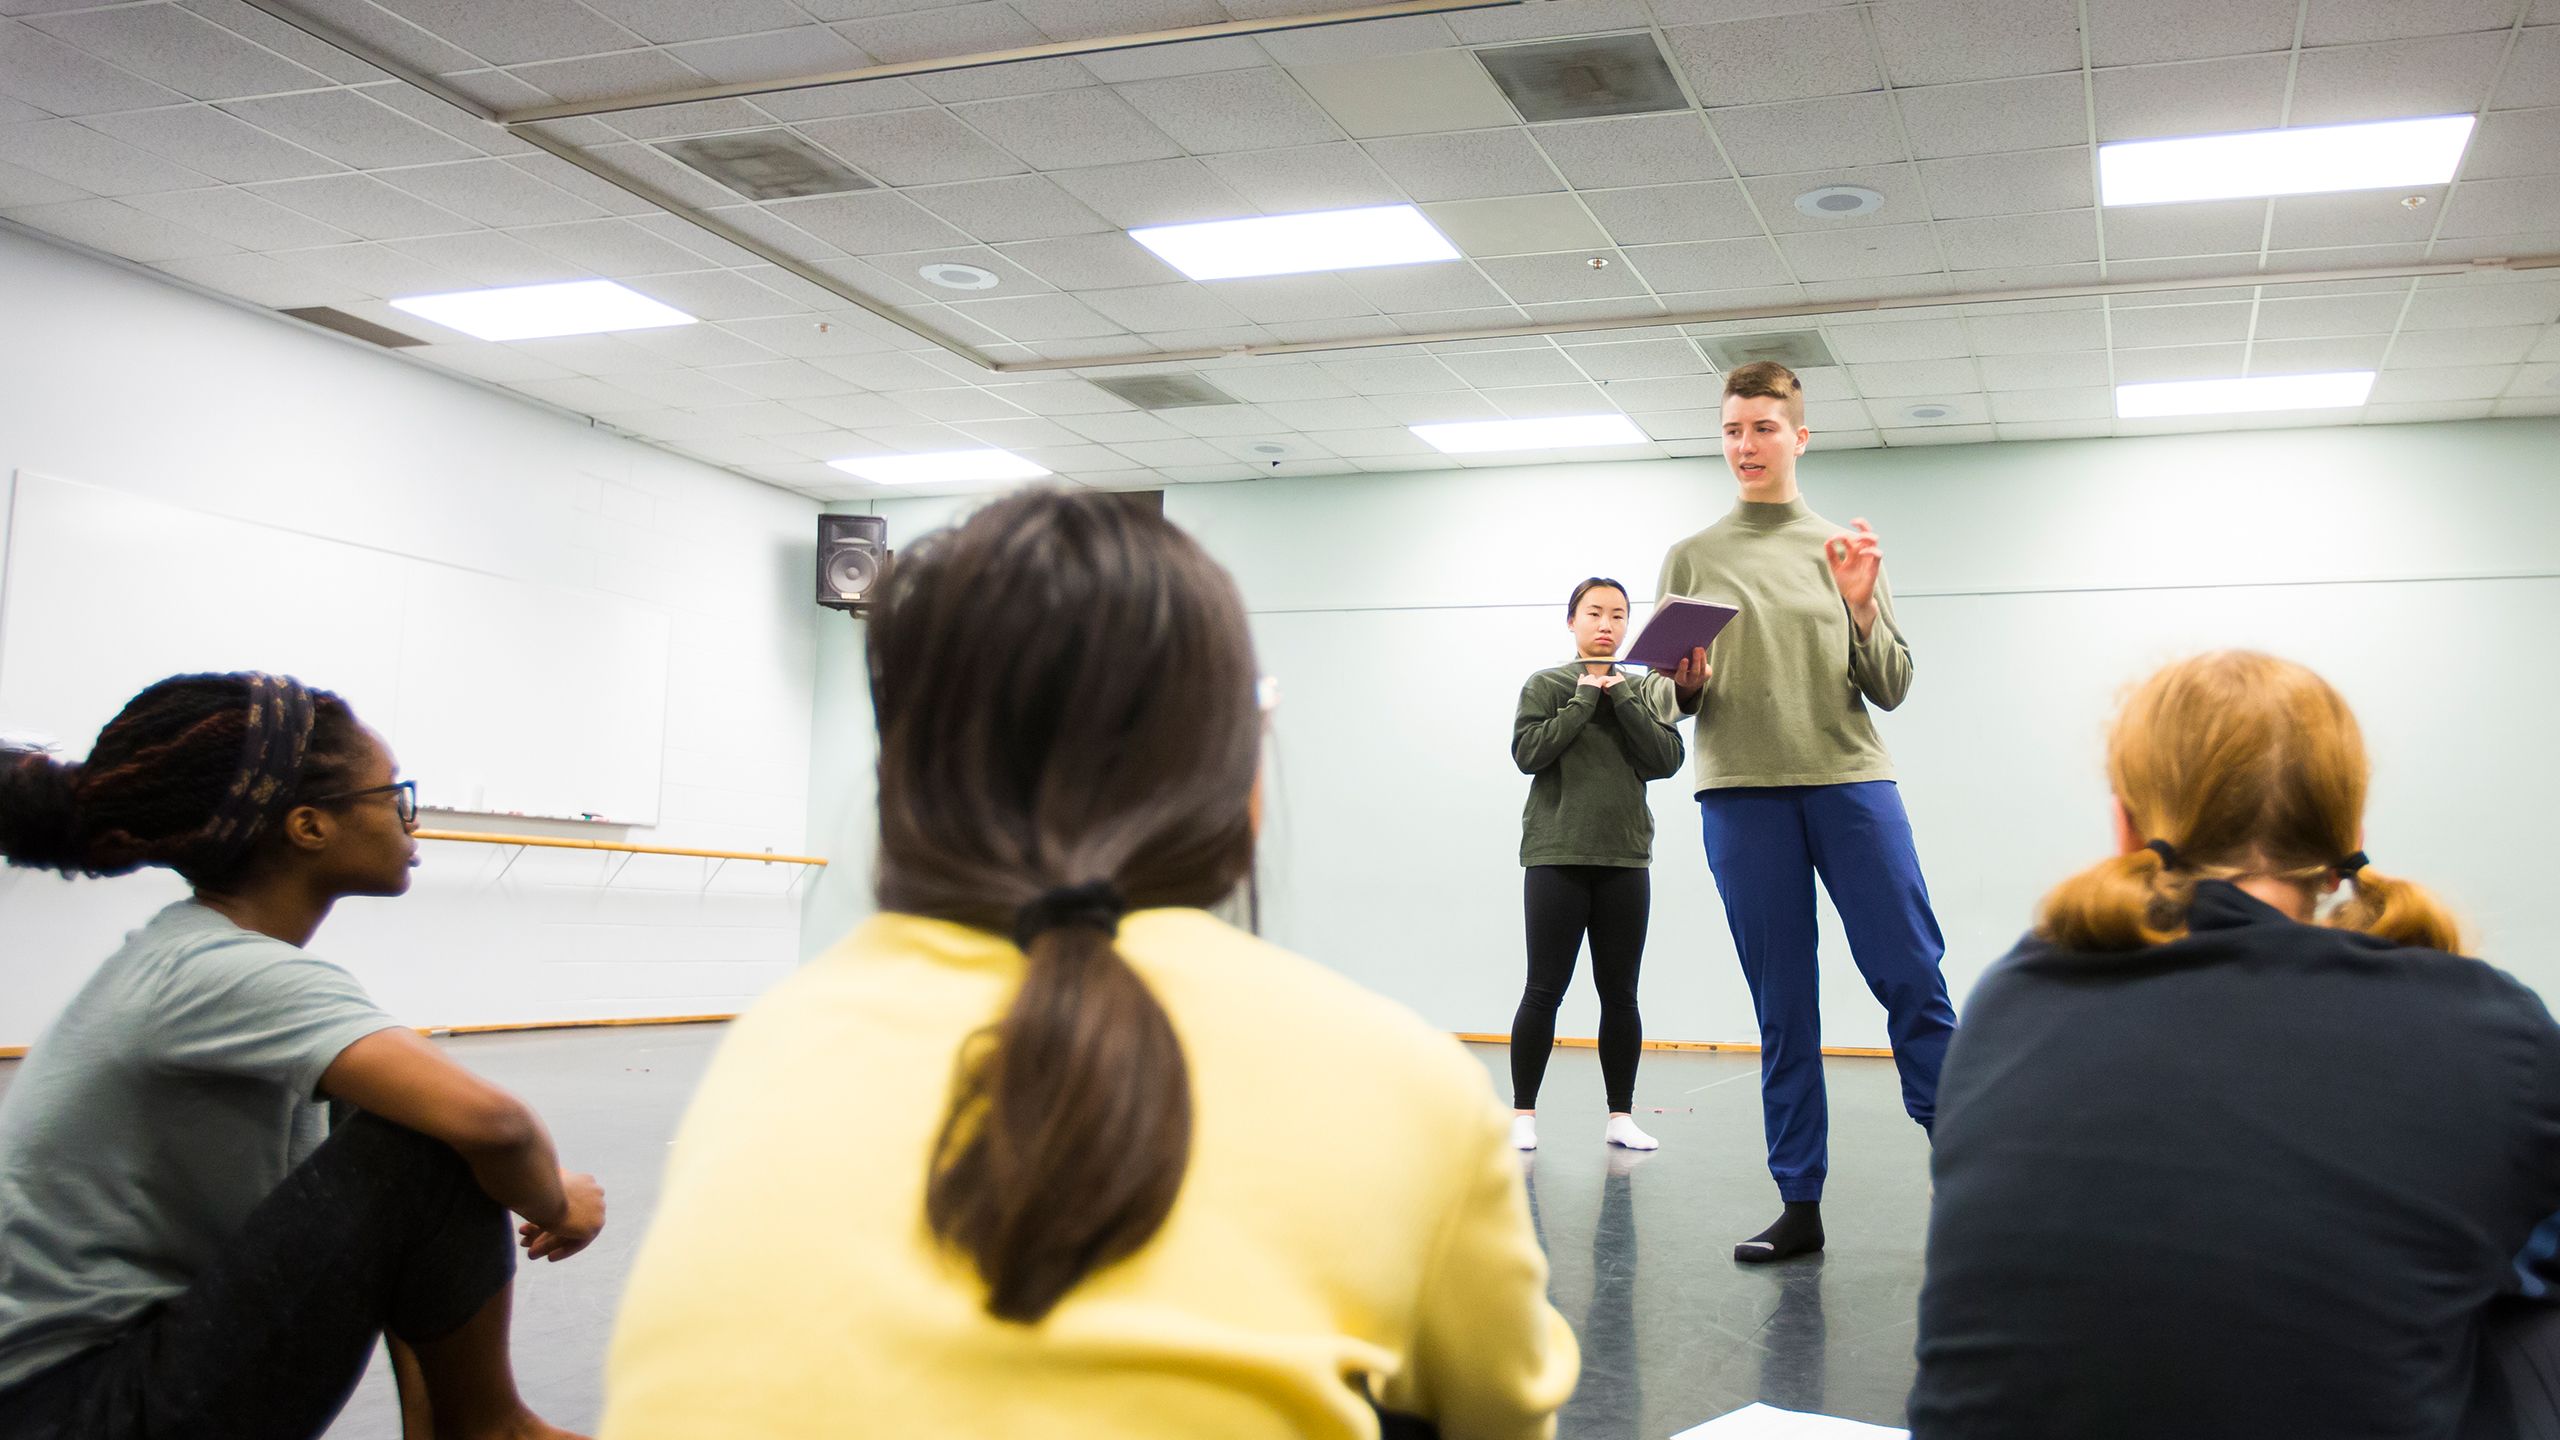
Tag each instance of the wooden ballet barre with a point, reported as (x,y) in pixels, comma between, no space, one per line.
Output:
(558,842)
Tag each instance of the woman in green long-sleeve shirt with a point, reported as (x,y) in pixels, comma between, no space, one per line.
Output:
(1590,736)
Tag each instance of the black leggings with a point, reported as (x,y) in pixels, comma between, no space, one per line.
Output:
(382,1229)
(1610,903)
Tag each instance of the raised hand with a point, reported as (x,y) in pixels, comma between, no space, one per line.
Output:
(1856,559)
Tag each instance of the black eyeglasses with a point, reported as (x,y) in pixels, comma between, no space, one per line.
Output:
(403,793)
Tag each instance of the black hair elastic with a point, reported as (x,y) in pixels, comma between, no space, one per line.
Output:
(1097,904)
(2348,867)
(2167,852)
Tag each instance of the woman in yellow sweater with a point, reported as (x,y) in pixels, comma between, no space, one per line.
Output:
(1043,1149)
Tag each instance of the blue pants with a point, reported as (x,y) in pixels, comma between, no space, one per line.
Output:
(1765,846)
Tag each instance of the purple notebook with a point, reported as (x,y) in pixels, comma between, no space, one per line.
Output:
(1679,625)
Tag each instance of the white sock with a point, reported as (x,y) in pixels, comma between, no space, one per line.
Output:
(1524,1132)
(1623,1131)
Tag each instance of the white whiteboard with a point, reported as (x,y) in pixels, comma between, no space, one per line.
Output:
(499,696)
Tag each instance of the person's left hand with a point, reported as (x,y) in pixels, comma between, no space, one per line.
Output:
(1856,560)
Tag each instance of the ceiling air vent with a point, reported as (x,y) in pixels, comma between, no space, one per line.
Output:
(1581,79)
(1166,392)
(767,164)
(355,325)
(1798,350)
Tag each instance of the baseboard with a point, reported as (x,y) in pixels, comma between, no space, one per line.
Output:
(504,1027)
(1734,1046)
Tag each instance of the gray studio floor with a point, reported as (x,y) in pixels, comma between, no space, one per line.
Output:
(1673,1332)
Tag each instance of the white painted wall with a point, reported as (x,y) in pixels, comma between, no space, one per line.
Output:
(115,380)
(2418,566)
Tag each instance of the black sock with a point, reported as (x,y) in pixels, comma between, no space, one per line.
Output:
(1798,1232)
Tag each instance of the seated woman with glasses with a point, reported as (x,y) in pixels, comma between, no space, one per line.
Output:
(187,1245)
(1044,1149)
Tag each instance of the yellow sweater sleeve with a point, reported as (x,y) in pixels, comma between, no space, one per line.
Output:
(1491,1359)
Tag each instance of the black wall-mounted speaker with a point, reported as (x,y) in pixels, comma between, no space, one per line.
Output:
(853,558)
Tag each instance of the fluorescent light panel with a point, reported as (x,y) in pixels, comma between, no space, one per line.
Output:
(1568,432)
(532,312)
(2316,159)
(1298,244)
(2336,390)
(941,466)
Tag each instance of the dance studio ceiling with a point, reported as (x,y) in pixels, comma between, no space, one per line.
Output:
(214,141)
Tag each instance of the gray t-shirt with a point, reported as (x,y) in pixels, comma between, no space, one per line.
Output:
(178,1088)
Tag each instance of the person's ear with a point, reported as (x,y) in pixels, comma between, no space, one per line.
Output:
(2128,839)
(308,827)
(1804,437)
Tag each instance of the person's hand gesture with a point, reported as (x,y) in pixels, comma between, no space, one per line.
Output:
(581,1219)
(1856,559)
(1692,674)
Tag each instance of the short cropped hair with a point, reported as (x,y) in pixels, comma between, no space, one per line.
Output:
(1767,379)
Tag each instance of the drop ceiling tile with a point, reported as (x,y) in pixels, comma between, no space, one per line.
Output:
(716,295)
(120,229)
(41,71)
(1539,402)
(1346,412)
(1436,407)
(1417,94)
(1862,254)
(1936,379)
(2502,207)
(1336,176)
(2211,227)
(611,248)
(2168,30)
(2532,78)
(1944,42)
(1415,289)
(2458,305)
(2469,382)
(855,412)
(481,359)
(1405,36)
(1629,151)
(2363,217)
(525,30)
(634,72)
(840,332)
(2433,411)
(1184,451)
(2061,238)
(241,218)
(1155,192)
(1156,62)
(2347,22)
(2433,349)
(2034,333)
(1711,265)
(206,140)
(1776,196)
(1020,207)
(1090,262)
(1272,298)
(2311,357)
(912,147)
(1895,439)
(2508,143)
(1393,375)
(2205,97)
(347,125)
(1669,214)
(1119,427)
(960,403)
(2179,362)
(2035,372)
(787,50)
(1959,407)
(1231,110)
(991,82)
(26,187)
(92,163)
(1888,340)
(1491,369)
(1671,392)
(1185,305)
(1040,317)
(377,270)
(2014,184)
(2083,402)
(1636,360)
(1265,381)
(265,30)
(1811,135)
(2536,380)
(837,102)
(1991,116)
(2282,317)
(922,34)
(2439,76)
(1061,397)
(1355,327)
(181,50)
(1070,130)
(1377,443)
(1521,225)
(1686,424)
(2180,325)
(492,192)
(1547,279)
(1475,165)
(870,223)
(364,206)
(1779,57)
(901,277)
(261,280)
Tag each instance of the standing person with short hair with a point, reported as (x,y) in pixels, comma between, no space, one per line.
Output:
(2216,1161)
(187,1246)
(1044,1148)
(1793,782)
(1591,737)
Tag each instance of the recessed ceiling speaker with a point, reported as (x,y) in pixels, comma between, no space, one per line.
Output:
(853,558)
(952,276)
(1839,202)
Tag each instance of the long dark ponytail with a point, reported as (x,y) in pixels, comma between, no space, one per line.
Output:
(1066,701)
(190,775)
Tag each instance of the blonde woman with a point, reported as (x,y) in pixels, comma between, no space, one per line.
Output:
(2216,1163)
